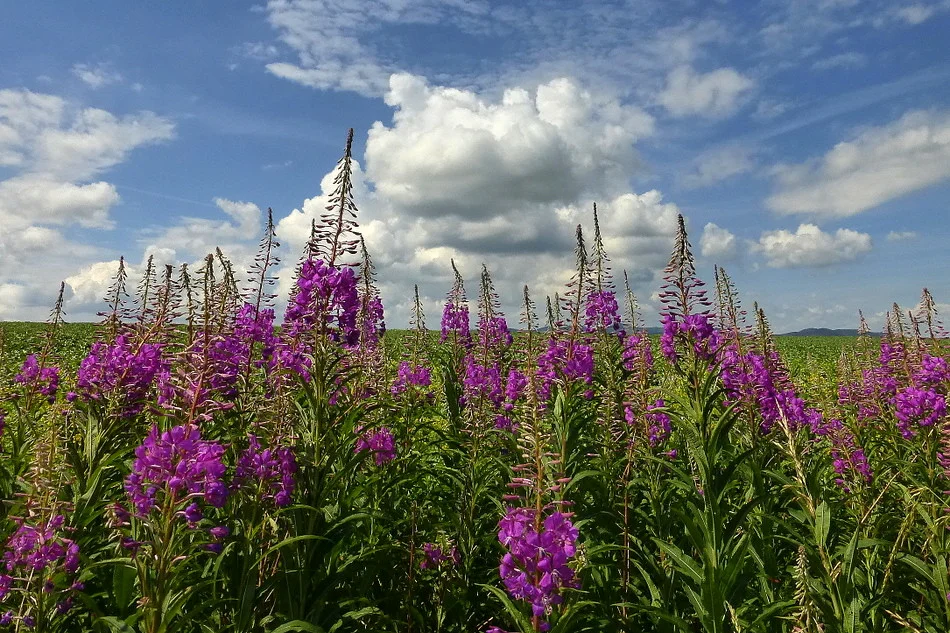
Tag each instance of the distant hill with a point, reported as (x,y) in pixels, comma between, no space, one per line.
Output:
(823,331)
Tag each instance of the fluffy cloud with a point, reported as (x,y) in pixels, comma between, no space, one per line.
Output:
(809,246)
(879,164)
(96,76)
(55,154)
(717,243)
(451,152)
(714,94)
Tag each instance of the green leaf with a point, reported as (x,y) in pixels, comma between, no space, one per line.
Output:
(822,523)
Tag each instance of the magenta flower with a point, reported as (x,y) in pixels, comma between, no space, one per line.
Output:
(326,300)
(176,465)
(918,407)
(601,312)
(269,473)
(380,443)
(43,380)
(410,376)
(123,371)
(536,567)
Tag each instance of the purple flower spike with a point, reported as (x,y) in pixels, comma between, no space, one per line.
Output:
(379,442)
(179,464)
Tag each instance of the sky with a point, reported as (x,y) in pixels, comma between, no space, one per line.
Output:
(806,142)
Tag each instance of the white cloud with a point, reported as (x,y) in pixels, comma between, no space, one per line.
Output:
(96,76)
(809,246)
(332,38)
(879,164)
(720,164)
(452,152)
(915,13)
(901,236)
(714,94)
(842,60)
(717,243)
(55,154)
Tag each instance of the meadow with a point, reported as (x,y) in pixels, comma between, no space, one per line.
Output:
(195,463)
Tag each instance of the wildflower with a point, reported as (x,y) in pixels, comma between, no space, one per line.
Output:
(43,380)
(436,556)
(602,312)
(536,567)
(408,376)
(921,407)
(121,370)
(326,300)
(380,442)
(269,472)
(176,463)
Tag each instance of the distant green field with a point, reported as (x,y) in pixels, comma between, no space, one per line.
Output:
(812,360)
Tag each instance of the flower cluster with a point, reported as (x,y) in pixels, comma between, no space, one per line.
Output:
(42,380)
(919,407)
(695,330)
(455,320)
(326,300)
(481,383)
(435,556)
(41,556)
(408,376)
(380,443)
(567,360)
(253,326)
(269,473)
(122,371)
(602,312)
(493,333)
(174,466)
(536,567)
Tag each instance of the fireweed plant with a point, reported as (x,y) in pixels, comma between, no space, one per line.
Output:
(211,461)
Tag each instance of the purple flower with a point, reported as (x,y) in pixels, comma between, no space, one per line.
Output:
(380,442)
(123,371)
(455,320)
(494,334)
(564,360)
(694,330)
(536,567)
(219,532)
(920,407)
(44,380)
(325,300)
(436,556)
(481,383)
(410,376)
(601,312)
(269,473)
(176,465)
(933,371)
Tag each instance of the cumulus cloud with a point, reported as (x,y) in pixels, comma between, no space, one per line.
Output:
(809,246)
(96,76)
(879,164)
(452,152)
(714,94)
(717,243)
(55,155)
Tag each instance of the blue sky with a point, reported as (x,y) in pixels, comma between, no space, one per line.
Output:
(806,141)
